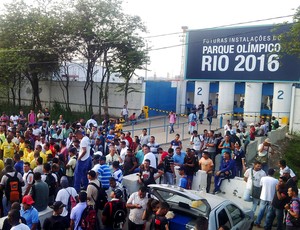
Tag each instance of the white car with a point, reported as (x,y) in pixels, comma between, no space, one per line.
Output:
(188,205)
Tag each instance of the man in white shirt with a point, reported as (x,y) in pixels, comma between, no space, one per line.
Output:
(268,184)
(91,121)
(252,177)
(123,151)
(227,127)
(197,141)
(150,156)
(283,167)
(124,113)
(137,203)
(84,162)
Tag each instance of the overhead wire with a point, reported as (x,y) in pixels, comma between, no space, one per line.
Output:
(149,49)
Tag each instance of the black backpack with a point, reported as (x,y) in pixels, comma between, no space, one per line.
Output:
(101,198)
(50,180)
(117,210)
(13,189)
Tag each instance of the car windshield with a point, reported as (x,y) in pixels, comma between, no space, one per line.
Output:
(183,201)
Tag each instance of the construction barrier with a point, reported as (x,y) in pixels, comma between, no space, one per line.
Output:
(225,114)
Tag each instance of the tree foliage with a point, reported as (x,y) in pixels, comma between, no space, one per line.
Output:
(38,40)
(290,41)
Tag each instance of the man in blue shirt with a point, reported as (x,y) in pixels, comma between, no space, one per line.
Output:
(178,157)
(227,171)
(29,213)
(104,173)
(77,211)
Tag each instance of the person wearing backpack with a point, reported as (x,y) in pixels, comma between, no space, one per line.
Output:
(92,188)
(11,183)
(51,179)
(67,195)
(56,221)
(114,213)
(77,211)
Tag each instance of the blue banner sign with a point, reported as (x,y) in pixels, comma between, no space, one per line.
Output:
(240,54)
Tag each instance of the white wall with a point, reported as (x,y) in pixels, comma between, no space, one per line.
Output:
(51,91)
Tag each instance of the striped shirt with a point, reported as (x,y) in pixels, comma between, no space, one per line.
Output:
(118,175)
(104,175)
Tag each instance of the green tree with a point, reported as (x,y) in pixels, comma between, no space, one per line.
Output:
(29,32)
(290,41)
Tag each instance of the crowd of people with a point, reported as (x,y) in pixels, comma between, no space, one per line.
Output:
(77,169)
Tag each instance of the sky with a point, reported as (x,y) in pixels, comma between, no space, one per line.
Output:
(168,16)
(163,17)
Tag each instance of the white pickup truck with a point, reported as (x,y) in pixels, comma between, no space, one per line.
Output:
(188,205)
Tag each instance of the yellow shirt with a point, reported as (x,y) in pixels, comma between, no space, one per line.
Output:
(44,156)
(8,149)
(22,146)
(33,164)
(30,156)
(2,137)
(1,165)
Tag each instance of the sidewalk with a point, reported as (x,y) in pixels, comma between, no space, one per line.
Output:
(159,127)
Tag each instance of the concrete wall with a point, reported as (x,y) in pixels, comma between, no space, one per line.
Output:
(295,110)
(51,91)
(274,136)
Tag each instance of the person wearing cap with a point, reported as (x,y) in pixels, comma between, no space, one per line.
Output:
(291,182)
(39,192)
(84,162)
(265,150)
(268,190)
(77,211)
(111,207)
(92,188)
(104,173)
(29,213)
(56,221)
(183,178)
(206,164)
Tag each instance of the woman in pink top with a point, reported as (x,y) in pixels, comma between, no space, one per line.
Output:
(172,121)
(31,117)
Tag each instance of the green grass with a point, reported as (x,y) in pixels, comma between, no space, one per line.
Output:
(292,155)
